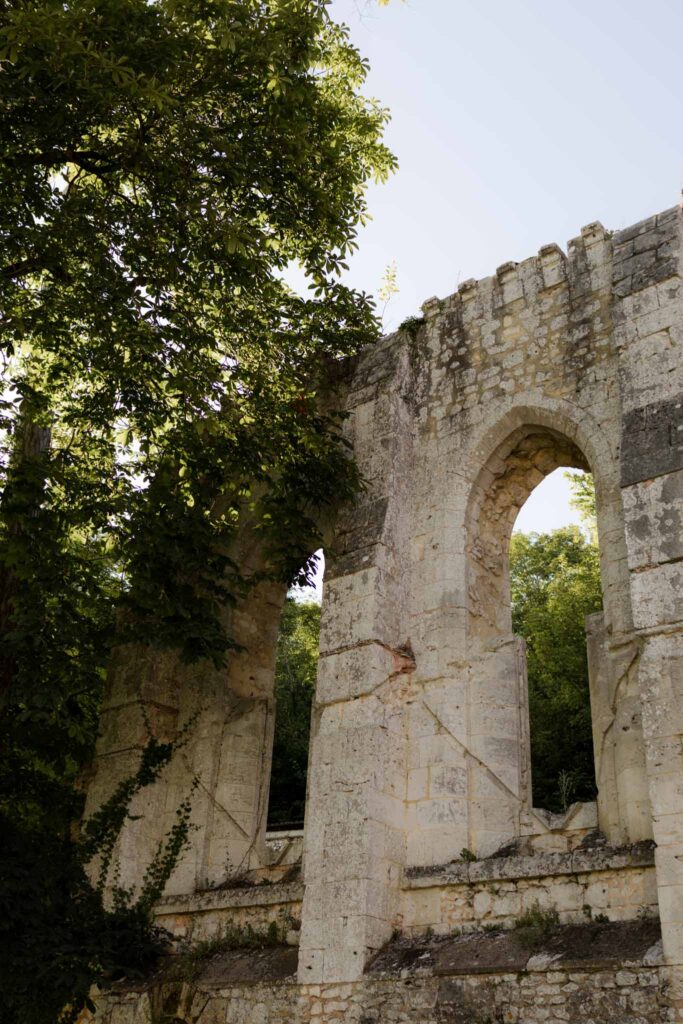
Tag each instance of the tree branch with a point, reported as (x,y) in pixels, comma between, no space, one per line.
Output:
(89,159)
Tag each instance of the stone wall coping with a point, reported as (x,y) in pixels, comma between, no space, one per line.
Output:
(575,947)
(226,899)
(540,865)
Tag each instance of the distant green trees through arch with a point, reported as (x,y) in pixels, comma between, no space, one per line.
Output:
(555,584)
(295,672)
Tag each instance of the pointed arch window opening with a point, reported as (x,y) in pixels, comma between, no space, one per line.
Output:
(293,694)
(554,576)
(540,763)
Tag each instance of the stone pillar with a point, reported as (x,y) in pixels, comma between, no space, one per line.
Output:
(499,742)
(602,721)
(618,744)
(654,511)
(354,834)
(226,756)
(649,329)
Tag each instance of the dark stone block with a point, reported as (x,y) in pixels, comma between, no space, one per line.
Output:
(359,529)
(652,441)
(597,946)
(658,271)
(634,230)
(482,953)
(456,1006)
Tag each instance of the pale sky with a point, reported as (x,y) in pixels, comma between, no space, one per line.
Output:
(515,123)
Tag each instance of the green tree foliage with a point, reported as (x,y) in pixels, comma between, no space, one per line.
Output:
(166,164)
(555,584)
(583,500)
(56,935)
(162,166)
(295,674)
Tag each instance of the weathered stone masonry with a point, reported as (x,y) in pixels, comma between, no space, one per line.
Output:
(420,744)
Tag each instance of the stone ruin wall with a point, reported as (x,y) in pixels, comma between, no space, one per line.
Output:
(420,735)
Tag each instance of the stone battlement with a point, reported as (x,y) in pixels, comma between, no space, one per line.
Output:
(641,255)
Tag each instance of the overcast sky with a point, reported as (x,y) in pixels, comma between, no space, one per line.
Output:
(515,122)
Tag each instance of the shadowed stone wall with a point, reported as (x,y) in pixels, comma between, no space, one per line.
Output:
(596,974)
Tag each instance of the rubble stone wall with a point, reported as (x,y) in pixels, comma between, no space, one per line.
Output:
(580,886)
(591,974)
(193,918)
(594,997)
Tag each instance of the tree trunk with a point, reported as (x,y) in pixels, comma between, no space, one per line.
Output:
(23,490)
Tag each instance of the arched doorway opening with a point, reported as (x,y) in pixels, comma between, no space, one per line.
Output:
(498,708)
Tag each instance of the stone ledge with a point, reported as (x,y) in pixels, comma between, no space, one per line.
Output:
(578,947)
(579,861)
(226,899)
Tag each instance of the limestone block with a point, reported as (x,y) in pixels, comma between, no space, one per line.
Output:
(492,720)
(418,784)
(438,749)
(422,909)
(429,846)
(661,685)
(654,512)
(447,780)
(494,677)
(499,815)
(667,794)
(420,721)
(657,595)
(672,942)
(441,813)
(650,438)
(503,757)
(552,262)
(353,672)
(506,905)
(447,702)
(123,727)
(669,828)
(485,785)
(356,610)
